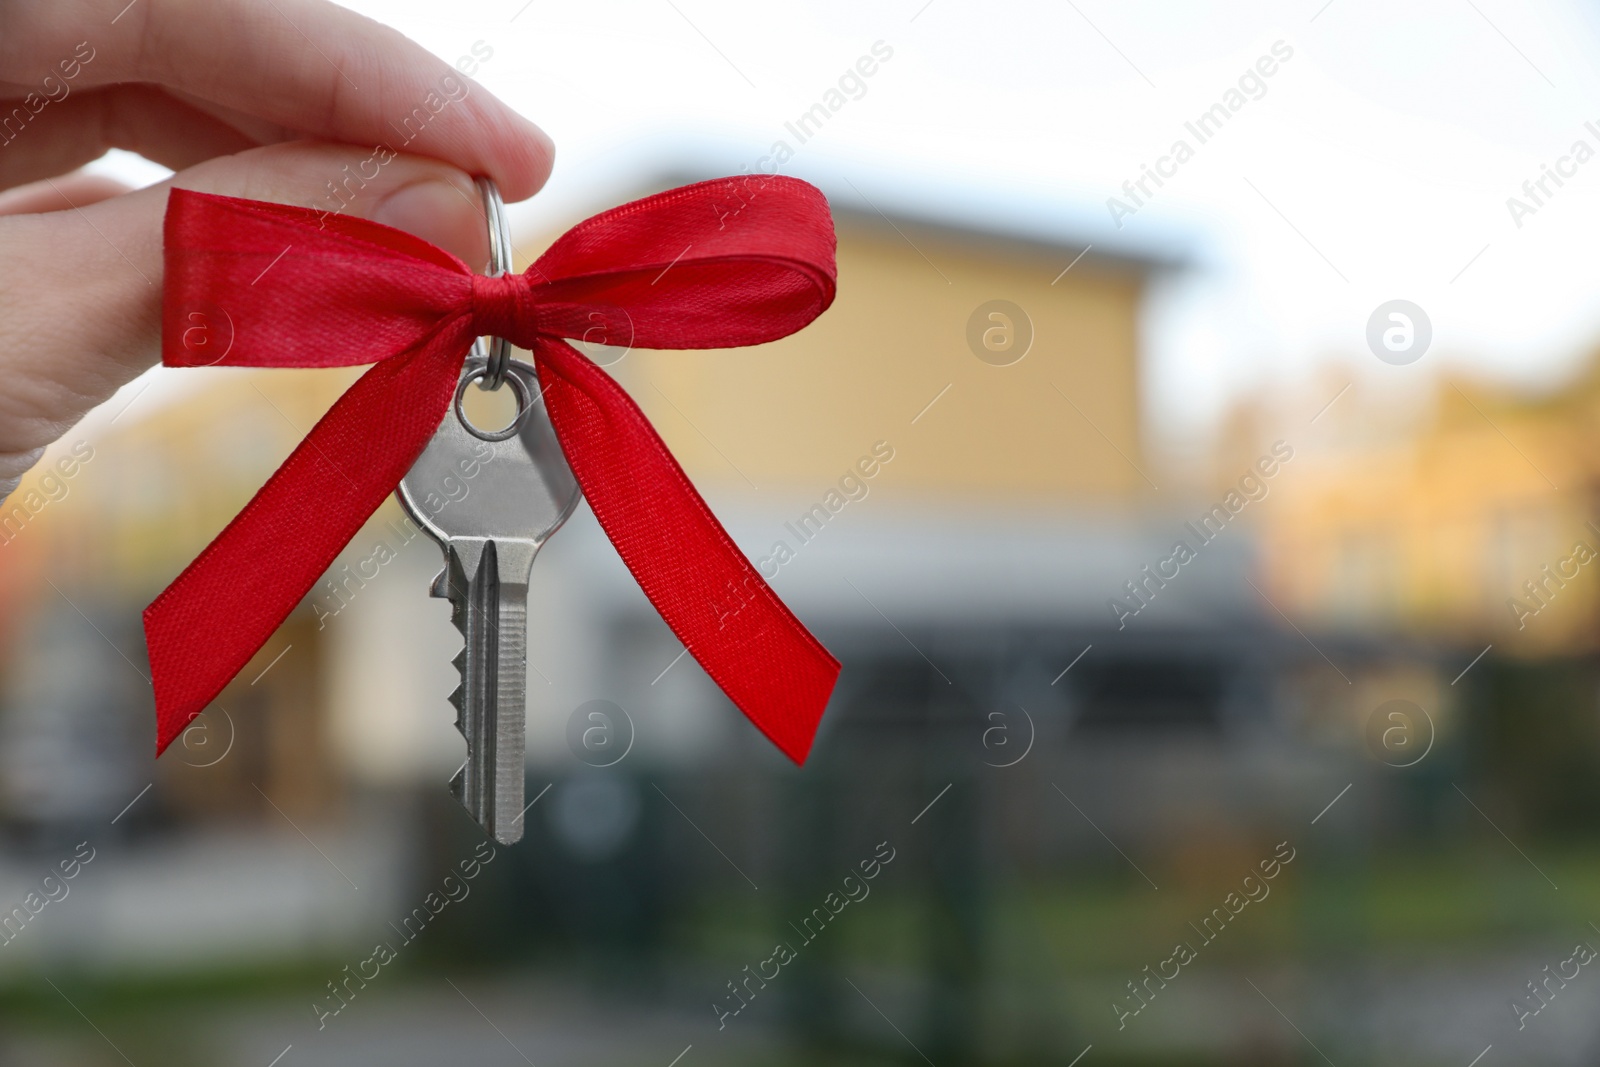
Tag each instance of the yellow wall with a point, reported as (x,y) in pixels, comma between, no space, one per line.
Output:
(1437,533)
(799,411)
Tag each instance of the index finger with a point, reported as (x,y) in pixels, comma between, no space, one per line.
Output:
(304,64)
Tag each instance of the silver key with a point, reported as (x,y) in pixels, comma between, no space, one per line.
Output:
(491,501)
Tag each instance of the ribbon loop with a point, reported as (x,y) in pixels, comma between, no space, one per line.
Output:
(678,270)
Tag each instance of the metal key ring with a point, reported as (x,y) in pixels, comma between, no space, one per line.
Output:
(524,405)
(494,210)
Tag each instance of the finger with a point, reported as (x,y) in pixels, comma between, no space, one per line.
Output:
(302,64)
(139,118)
(59,194)
(257,129)
(80,290)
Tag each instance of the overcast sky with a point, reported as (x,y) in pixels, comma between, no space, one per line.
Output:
(1374,163)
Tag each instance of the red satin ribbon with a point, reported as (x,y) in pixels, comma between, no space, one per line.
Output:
(265,285)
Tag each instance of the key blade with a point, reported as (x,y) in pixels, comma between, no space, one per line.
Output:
(492,616)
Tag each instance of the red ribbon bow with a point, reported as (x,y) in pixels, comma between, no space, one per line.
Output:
(277,286)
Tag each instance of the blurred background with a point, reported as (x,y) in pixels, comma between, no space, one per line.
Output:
(1197,478)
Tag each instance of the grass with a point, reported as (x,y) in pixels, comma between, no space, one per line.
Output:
(1415,902)
(1049,948)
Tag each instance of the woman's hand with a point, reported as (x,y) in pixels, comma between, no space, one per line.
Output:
(240,97)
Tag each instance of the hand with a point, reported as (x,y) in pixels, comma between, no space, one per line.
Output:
(240,97)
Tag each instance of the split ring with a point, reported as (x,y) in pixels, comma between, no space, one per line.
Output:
(524,405)
(494,210)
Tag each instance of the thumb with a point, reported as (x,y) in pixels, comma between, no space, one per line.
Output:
(80,289)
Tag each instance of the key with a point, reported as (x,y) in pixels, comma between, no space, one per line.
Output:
(491,504)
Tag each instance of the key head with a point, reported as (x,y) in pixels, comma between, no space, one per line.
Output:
(509,486)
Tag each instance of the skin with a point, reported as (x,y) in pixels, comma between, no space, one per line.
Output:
(233,97)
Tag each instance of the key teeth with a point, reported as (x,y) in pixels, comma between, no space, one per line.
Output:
(458,785)
(455,698)
(458,696)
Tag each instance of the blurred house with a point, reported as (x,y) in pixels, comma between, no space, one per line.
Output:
(946,477)
(1476,526)
(948,467)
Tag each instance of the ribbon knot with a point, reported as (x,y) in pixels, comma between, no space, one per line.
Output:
(668,271)
(503,306)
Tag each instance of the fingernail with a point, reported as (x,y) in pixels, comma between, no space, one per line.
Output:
(440,213)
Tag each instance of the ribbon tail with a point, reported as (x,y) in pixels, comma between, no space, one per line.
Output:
(206,625)
(718,605)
